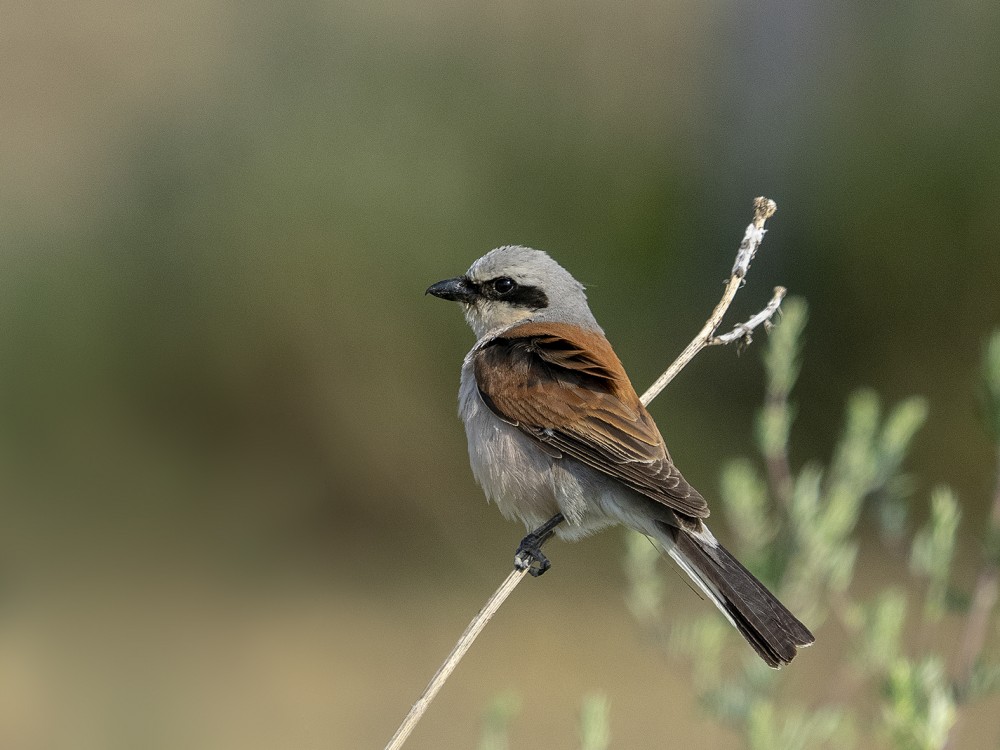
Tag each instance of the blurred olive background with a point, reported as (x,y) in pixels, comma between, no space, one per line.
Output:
(236,506)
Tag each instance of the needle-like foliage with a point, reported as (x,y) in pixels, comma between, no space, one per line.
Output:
(800,532)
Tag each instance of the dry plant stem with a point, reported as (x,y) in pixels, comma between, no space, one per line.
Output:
(764,208)
(743,330)
(464,643)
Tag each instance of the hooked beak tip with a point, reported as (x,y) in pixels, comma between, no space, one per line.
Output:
(455,290)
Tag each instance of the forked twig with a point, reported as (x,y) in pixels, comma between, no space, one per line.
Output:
(764,208)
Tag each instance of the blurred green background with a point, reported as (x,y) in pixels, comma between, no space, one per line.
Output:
(237,511)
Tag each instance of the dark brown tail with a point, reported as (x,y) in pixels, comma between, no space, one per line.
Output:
(768,626)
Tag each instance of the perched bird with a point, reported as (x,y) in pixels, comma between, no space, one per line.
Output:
(559,440)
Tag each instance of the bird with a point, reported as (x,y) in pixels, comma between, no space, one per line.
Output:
(559,440)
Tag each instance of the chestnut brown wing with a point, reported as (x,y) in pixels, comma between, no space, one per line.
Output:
(567,389)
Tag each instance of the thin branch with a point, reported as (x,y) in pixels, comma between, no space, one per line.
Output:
(743,330)
(764,208)
(464,643)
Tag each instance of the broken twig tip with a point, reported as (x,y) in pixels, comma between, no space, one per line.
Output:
(763,209)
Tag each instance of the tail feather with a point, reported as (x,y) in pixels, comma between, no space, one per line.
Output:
(768,626)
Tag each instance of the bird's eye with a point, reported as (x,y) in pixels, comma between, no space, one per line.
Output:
(504,285)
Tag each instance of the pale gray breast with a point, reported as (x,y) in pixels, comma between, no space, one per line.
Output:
(512,470)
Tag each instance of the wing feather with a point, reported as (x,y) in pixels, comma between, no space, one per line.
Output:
(567,389)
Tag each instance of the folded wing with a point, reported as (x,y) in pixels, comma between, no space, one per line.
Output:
(567,389)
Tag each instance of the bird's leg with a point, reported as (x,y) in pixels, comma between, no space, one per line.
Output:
(529,551)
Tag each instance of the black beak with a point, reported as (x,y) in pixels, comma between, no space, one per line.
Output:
(457,290)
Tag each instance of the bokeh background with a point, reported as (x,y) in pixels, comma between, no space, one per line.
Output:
(236,507)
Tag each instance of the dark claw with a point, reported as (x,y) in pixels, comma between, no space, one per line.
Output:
(529,554)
